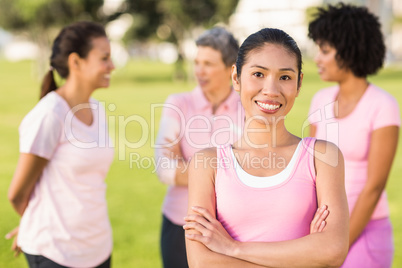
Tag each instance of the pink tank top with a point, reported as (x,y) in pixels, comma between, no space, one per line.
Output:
(276,213)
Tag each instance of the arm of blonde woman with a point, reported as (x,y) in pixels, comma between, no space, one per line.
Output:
(381,155)
(323,249)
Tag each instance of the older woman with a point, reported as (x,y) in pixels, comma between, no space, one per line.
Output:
(208,115)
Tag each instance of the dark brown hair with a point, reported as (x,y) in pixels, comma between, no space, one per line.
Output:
(75,38)
(268,36)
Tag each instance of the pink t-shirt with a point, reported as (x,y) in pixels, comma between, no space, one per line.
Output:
(275,213)
(66,219)
(375,109)
(187,118)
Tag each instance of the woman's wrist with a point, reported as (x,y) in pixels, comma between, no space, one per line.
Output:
(235,249)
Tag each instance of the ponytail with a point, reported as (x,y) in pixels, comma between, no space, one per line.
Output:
(48,84)
(74,38)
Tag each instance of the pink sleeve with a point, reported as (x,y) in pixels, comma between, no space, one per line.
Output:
(170,129)
(387,114)
(40,133)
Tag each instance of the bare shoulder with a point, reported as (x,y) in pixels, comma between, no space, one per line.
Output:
(208,151)
(327,153)
(204,158)
(323,146)
(203,165)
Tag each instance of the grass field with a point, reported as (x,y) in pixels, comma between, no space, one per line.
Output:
(134,193)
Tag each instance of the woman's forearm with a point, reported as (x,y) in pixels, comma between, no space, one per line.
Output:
(19,204)
(328,249)
(307,251)
(200,256)
(362,212)
(26,175)
(382,150)
(303,252)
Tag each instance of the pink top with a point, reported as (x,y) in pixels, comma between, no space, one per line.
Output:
(66,219)
(187,118)
(375,109)
(276,213)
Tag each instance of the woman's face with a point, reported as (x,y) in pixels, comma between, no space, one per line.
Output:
(97,66)
(211,73)
(328,66)
(269,82)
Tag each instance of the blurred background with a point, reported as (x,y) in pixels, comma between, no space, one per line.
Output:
(153,49)
(165,29)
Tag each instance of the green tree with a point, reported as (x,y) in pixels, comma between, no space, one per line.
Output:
(40,20)
(178,18)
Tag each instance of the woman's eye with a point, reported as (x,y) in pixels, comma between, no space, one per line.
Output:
(324,51)
(285,77)
(258,74)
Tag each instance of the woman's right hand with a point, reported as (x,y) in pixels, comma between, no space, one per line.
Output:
(14,246)
(318,223)
(211,232)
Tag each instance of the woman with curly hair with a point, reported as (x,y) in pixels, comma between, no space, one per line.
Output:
(351,47)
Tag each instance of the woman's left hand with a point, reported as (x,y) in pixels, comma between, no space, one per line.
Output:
(173,151)
(319,221)
(14,246)
(212,234)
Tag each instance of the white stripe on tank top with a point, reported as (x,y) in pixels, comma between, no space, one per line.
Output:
(263,182)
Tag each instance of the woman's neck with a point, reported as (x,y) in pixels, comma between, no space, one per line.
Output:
(259,135)
(217,97)
(352,88)
(74,93)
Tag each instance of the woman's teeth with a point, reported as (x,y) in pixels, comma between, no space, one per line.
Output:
(267,106)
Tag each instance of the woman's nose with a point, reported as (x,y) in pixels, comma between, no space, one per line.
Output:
(317,57)
(270,87)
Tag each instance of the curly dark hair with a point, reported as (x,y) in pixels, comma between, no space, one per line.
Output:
(356,35)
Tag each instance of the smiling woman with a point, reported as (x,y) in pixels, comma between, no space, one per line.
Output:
(58,187)
(242,214)
(368,122)
(208,115)
(277,84)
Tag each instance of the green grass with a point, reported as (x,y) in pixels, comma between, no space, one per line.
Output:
(134,194)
